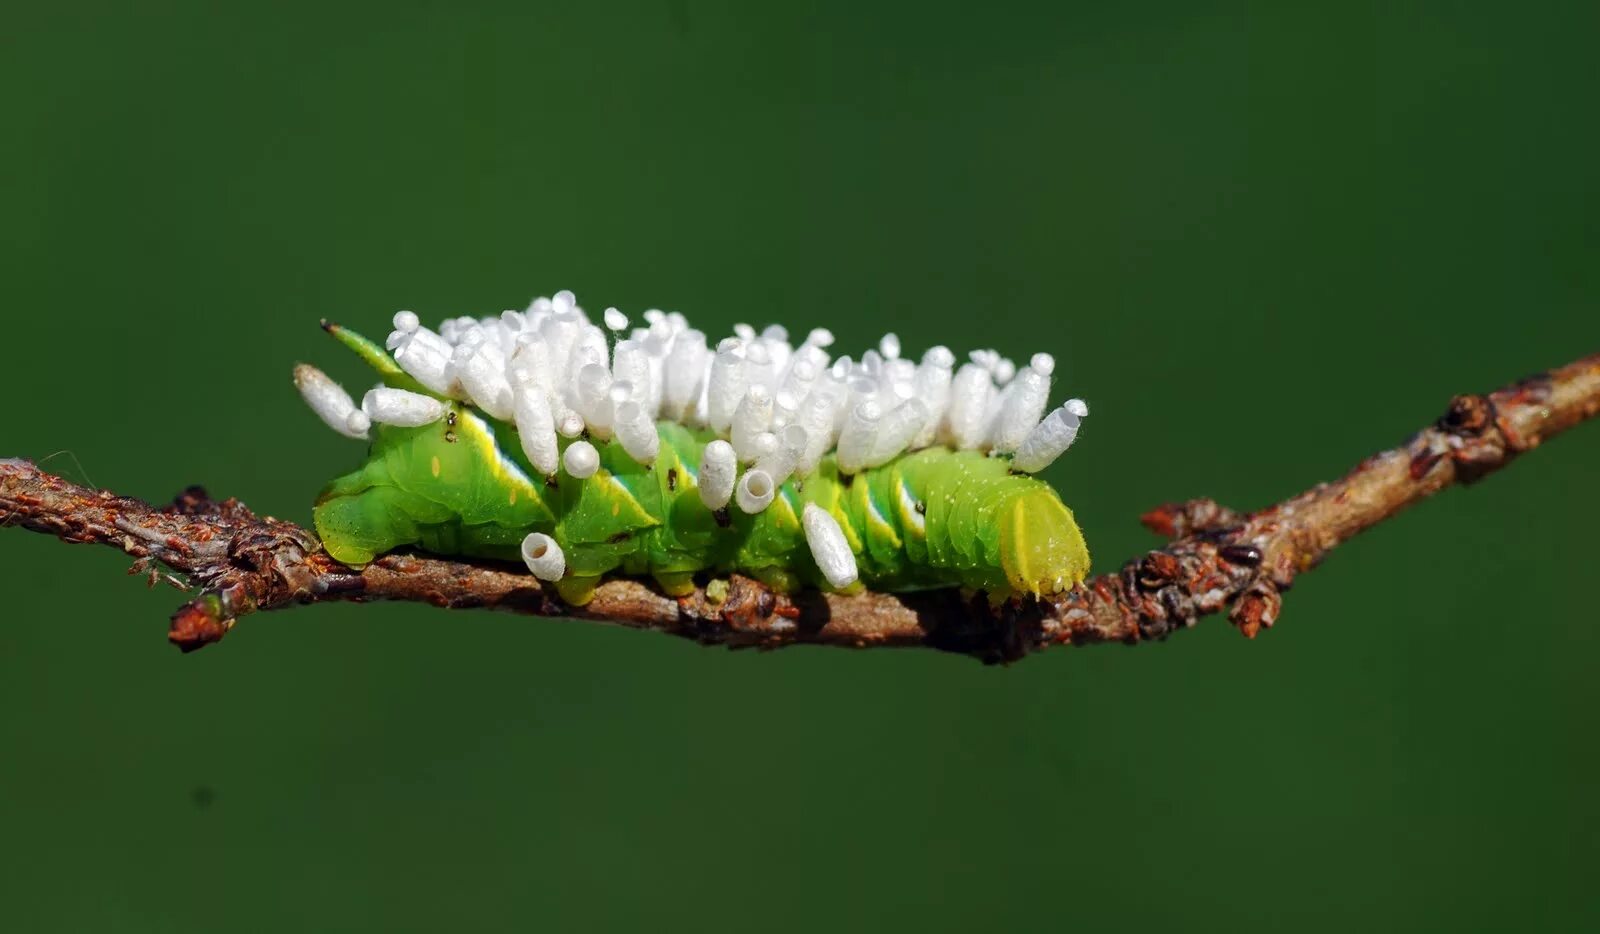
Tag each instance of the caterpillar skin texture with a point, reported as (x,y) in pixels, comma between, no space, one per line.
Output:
(931,518)
(935,517)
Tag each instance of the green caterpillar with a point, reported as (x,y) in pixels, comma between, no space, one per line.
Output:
(460,483)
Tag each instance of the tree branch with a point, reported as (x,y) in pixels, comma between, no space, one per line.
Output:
(1217,558)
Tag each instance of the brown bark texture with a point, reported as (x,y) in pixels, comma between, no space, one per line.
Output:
(1216,558)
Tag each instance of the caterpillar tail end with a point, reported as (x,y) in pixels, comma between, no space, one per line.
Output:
(1042,550)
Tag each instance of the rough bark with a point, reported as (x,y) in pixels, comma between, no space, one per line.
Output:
(1216,559)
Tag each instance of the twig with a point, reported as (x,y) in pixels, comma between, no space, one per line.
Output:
(1217,558)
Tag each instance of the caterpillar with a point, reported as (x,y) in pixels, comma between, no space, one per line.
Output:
(536,437)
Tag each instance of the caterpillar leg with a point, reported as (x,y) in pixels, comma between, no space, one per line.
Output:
(576,590)
(780,579)
(675,583)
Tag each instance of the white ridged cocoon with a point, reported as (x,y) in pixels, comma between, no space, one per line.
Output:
(532,370)
(969,406)
(426,357)
(480,368)
(828,546)
(536,428)
(781,462)
(932,386)
(785,408)
(559,332)
(860,436)
(544,557)
(755,491)
(779,352)
(590,347)
(778,406)
(530,362)
(899,426)
(718,466)
(801,375)
(401,407)
(820,337)
(897,379)
(1051,438)
(816,419)
(758,364)
(1023,403)
(684,375)
(569,425)
(637,433)
(328,399)
(593,400)
(581,460)
(762,444)
(358,424)
(727,384)
(630,363)
(752,417)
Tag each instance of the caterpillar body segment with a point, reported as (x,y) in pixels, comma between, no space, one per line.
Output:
(931,518)
(612,500)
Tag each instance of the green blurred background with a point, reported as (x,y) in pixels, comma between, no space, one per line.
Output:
(1262,241)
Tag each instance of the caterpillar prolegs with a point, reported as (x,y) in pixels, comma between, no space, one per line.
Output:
(530,437)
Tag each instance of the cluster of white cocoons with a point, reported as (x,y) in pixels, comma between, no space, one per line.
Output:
(778,408)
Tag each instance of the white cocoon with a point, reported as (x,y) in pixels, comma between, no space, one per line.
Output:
(544,557)
(752,417)
(1050,439)
(756,491)
(426,357)
(726,385)
(969,406)
(684,375)
(536,428)
(481,371)
(859,436)
(718,465)
(637,433)
(401,407)
(1022,404)
(328,399)
(828,546)
(897,429)
(581,460)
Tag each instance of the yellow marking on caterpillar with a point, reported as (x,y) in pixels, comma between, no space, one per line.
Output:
(871,518)
(910,517)
(473,430)
(781,500)
(434,466)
